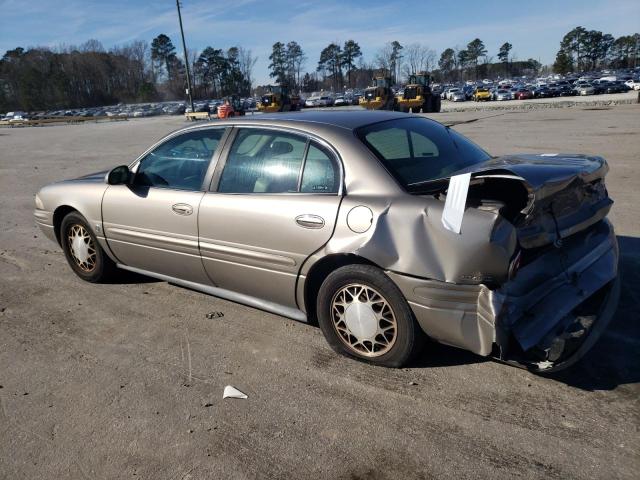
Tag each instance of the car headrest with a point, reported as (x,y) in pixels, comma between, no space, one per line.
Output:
(280,148)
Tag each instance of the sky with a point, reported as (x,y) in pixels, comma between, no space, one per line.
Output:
(534,28)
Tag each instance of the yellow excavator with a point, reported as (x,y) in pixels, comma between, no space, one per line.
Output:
(418,96)
(278,99)
(379,96)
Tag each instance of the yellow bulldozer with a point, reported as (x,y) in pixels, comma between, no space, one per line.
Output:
(379,96)
(278,99)
(418,96)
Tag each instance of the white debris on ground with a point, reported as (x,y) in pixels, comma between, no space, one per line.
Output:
(233,392)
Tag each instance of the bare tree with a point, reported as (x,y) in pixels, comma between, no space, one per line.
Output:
(384,57)
(92,45)
(246,62)
(419,58)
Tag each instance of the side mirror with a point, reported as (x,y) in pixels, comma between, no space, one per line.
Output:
(119,175)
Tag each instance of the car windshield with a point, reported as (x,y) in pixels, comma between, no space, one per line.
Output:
(417,151)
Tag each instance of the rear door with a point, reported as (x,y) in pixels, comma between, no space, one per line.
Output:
(152,224)
(274,202)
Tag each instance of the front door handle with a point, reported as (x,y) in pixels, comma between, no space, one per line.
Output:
(310,221)
(182,209)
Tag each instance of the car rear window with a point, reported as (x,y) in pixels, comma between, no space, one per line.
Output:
(417,150)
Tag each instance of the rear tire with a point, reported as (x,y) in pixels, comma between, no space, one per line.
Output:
(363,315)
(436,104)
(83,252)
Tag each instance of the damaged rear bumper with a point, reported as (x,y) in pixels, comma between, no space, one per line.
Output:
(544,319)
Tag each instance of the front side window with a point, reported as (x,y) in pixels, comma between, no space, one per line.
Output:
(416,150)
(180,162)
(271,161)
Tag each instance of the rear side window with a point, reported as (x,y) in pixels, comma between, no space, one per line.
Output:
(416,150)
(269,161)
(320,174)
(180,162)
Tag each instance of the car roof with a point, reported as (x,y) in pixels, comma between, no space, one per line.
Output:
(349,120)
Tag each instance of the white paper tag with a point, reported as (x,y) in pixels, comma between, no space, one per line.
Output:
(455,202)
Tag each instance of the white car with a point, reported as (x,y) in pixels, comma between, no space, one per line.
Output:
(633,84)
(15,116)
(451,92)
(311,102)
(458,96)
(324,101)
(340,101)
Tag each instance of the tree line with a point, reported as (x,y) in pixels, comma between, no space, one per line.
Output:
(584,50)
(89,75)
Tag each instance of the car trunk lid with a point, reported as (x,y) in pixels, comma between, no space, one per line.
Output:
(547,197)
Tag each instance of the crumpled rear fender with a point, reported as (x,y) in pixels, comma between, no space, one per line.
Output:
(406,235)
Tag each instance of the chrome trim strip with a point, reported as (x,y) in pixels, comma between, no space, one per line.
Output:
(271,307)
(43,225)
(172,252)
(245,253)
(245,265)
(110,231)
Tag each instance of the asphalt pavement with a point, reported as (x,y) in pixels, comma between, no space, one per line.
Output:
(125,380)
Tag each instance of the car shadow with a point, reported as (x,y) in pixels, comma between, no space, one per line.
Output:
(126,277)
(439,355)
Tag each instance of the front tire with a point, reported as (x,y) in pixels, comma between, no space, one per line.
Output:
(363,315)
(83,252)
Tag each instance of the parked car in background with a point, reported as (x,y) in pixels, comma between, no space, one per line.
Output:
(481,95)
(523,94)
(450,91)
(502,95)
(458,96)
(324,101)
(566,90)
(525,273)
(340,101)
(585,89)
(543,92)
(633,84)
(15,116)
(311,102)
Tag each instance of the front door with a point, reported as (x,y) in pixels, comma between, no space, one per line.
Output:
(152,224)
(276,202)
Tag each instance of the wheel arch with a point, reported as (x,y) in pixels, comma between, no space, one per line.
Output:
(319,272)
(58,215)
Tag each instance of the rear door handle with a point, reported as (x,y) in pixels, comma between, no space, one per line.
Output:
(310,221)
(182,209)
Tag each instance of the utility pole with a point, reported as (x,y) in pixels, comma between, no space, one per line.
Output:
(186,58)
